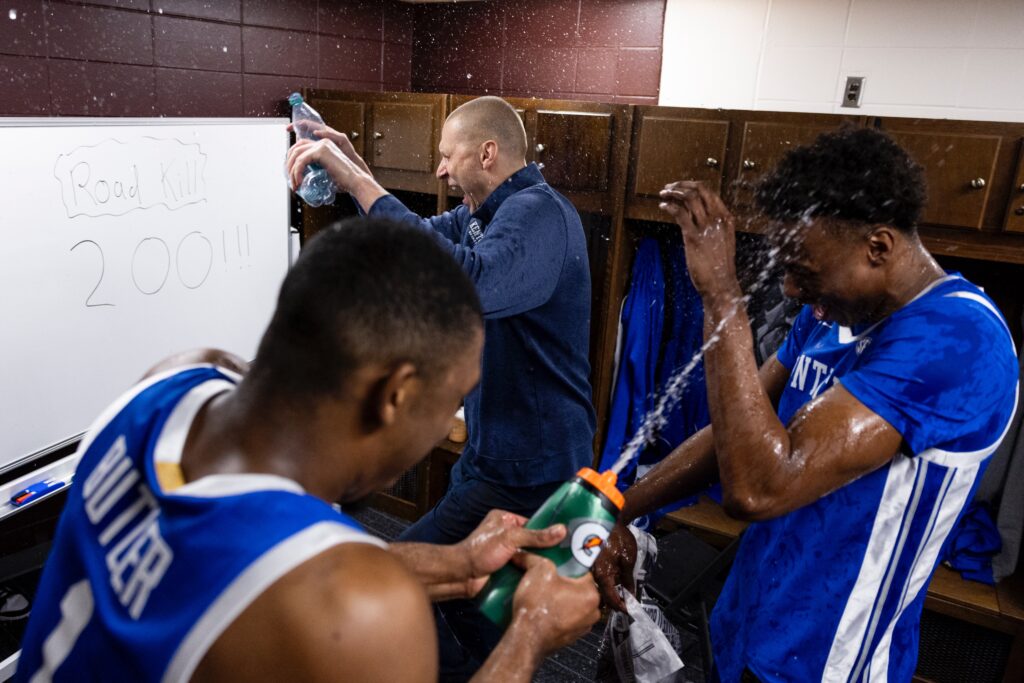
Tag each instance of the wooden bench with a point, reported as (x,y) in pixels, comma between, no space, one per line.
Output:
(1000,608)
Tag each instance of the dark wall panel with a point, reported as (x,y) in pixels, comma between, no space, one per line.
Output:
(242,57)
(605,50)
(296,15)
(194,44)
(24,86)
(94,89)
(99,34)
(221,10)
(195,57)
(189,92)
(26,33)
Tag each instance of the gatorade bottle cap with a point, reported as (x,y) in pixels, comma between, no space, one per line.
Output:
(605,483)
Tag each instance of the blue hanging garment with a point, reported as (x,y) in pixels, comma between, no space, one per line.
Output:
(634,393)
(662,329)
(683,337)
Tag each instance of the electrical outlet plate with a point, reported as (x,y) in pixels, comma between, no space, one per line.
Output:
(853,91)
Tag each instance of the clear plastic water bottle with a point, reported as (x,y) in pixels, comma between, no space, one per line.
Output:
(316,188)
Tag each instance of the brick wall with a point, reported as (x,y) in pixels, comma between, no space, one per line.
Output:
(194,57)
(242,57)
(605,50)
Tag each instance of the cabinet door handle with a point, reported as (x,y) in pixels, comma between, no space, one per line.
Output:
(353,135)
(978,183)
(1021,188)
(539,148)
(377,135)
(712,162)
(1019,211)
(749,164)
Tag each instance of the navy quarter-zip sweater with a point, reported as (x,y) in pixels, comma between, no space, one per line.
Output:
(530,419)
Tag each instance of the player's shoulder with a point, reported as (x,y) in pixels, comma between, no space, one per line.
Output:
(957,310)
(234,366)
(342,581)
(350,603)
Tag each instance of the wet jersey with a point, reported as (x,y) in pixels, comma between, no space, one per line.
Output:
(833,591)
(142,580)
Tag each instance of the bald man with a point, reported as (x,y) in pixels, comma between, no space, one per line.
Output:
(530,419)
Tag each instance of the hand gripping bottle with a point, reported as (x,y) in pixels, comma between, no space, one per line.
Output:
(588,505)
(317,188)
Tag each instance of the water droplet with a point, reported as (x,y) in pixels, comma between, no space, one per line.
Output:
(13,14)
(468,76)
(225,48)
(159,10)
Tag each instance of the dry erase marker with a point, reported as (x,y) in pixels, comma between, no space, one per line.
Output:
(36,491)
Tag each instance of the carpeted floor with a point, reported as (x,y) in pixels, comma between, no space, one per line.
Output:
(574,664)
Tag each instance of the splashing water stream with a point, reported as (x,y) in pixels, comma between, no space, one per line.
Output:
(656,419)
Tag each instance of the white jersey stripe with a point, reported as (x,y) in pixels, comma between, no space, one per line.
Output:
(220,485)
(76,609)
(885,530)
(117,406)
(871,671)
(890,572)
(880,663)
(248,585)
(954,500)
(171,441)
(992,309)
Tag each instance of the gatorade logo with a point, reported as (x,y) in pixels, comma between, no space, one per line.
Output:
(586,541)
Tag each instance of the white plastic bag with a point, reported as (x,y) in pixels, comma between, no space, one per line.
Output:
(640,646)
(652,656)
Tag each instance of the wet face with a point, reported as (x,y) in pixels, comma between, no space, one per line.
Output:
(830,270)
(460,163)
(427,417)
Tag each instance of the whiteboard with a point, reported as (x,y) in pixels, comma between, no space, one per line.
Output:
(123,241)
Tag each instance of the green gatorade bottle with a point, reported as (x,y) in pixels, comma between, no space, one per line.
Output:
(588,505)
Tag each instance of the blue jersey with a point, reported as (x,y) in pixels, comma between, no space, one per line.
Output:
(833,591)
(141,580)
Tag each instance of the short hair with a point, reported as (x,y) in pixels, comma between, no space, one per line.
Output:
(491,117)
(853,174)
(365,291)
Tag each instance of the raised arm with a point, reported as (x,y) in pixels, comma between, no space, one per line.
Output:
(692,466)
(767,468)
(687,470)
(351,174)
